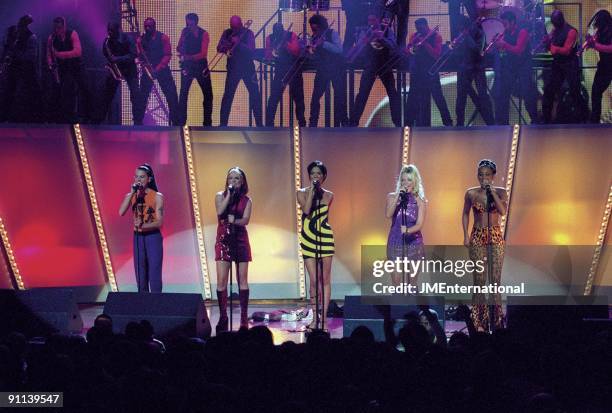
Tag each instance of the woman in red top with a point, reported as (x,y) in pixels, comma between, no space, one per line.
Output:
(147,205)
(232,243)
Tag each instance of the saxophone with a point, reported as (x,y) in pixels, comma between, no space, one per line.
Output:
(110,66)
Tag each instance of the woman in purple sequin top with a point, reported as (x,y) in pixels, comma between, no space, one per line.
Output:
(406,209)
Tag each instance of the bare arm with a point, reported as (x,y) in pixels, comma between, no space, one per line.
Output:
(305,199)
(125,204)
(159,214)
(604,48)
(501,201)
(465,217)
(566,49)
(420,218)
(76,48)
(222,202)
(521,43)
(167,54)
(246,217)
(392,201)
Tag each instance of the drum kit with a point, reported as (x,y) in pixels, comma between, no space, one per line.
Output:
(300,5)
(491,11)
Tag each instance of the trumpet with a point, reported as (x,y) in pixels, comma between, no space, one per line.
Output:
(280,43)
(413,48)
(490,45)
(215,60)
(110,66)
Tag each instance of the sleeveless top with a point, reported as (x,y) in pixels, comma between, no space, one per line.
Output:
(605,59)
(66,46)
(510,59)
(317,237)
(153,47)
(405,245)
(237,249)
(144,207)
(558,39)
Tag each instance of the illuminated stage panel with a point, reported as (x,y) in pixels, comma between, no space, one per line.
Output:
(114,154)
(45,209)
(447,160)
(362,165)
(266,158)
(560,191)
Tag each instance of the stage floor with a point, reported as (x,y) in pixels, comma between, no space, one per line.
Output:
(281,330)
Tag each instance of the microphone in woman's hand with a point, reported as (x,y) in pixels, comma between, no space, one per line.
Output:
(316,183)
(230,188)
(136,186)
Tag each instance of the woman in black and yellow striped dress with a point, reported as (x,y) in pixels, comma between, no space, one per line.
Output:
(316,237)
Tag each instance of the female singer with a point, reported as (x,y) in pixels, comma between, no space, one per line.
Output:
(316,237)
(406,209)
(486,235)
(147,206)
(232,244)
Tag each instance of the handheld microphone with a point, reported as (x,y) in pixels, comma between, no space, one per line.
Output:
(316,183)
(136,186)
(230,188)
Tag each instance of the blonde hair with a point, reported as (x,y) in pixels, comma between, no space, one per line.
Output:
(413,173)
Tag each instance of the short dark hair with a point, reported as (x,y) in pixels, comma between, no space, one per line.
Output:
(318,164)
(488,163)
(421,20)
(59,20)
(509,16)
(192,16)
(319,20)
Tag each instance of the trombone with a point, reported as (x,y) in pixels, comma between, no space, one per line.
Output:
(491,43)
(279,44)
(408,52)
(215,60)
(309,48)
(111,66)
(435,68)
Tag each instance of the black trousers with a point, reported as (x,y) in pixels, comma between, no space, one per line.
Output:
(296,93)
(73,85)
(423,87)
(365,87)
(249,77)
(482,100)
(601,82)
(20,99)
(110,88)
(323,77)
(168,87)
(205,83)
(521,79)
(569,71)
